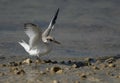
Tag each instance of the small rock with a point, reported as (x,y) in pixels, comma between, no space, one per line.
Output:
(55,81)
(47,69)
(27,61)
(59,71)
(38,61)
(20,72)
(55,69)
(88,59)
(2,74)
(74,66)
(112,65)
(110,60)
(77,81)
(117,76)
(83,76)
(95,67)
(3,65)
(41,72)
(17,71)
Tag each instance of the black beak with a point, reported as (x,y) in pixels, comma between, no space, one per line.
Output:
(55,41)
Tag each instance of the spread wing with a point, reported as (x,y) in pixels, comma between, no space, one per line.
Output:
(33,32)
(51,25)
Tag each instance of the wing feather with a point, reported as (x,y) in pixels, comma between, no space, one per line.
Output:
(33,32)
(51,25)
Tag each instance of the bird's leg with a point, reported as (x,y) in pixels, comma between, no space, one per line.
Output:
(37,61)
(38,58)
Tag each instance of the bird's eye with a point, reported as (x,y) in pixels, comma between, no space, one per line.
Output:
(50,40)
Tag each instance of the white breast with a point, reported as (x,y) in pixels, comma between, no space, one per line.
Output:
(40,50)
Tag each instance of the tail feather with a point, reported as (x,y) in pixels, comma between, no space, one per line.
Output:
(24,45)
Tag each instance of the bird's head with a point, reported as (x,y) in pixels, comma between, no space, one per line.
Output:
(51,39)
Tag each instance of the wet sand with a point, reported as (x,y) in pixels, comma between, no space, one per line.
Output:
(16,69)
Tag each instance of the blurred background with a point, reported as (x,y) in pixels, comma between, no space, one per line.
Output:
(84,27)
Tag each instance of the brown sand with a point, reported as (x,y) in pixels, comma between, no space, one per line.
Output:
(81,70)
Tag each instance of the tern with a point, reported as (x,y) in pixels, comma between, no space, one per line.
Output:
(39,42)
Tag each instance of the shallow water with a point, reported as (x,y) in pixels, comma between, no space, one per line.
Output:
(84,27)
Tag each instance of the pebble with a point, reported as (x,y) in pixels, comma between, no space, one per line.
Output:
(27,61)
(76,81)
(38,61)
(3,65)
(74,66)
(41,72)
(83,76)
(55,81)
(47,69)
(2,74)
(59,71)
(20,72)
(88,59)
(110,60)
(17,71)
(117,76)
(95,68)
(55,69)
(112,65)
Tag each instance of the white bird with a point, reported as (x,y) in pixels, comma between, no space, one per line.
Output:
(39,43)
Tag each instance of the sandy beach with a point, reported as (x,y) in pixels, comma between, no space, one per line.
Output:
(75,70)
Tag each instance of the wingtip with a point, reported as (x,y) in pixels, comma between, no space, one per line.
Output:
(58,9)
